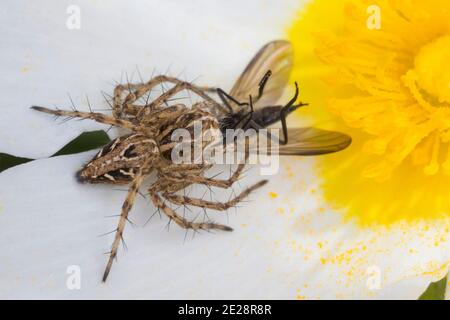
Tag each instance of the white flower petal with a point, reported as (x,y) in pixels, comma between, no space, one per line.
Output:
(282,247)
(43,59)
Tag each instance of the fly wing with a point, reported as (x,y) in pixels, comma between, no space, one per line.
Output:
(276,56)
(311,142)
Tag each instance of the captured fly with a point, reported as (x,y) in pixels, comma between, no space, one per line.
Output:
(252,104)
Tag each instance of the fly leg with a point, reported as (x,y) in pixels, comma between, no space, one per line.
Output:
(287,109)
(224,97)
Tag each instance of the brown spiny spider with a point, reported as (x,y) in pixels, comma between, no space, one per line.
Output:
(128,159)
(132,157)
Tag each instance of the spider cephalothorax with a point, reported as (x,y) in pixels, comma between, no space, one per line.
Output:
(119,160)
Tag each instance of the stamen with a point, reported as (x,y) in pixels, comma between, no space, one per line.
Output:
(446,164)
(410,80)
(433,167)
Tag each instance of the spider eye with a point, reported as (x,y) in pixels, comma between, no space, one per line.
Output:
(108,148)
(119,175)
(130,152)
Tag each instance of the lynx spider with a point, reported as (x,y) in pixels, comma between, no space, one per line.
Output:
(130,158)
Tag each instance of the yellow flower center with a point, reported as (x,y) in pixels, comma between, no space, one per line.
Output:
(432,67)
(389,88)
(429,84)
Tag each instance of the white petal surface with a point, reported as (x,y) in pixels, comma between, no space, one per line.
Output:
(285,245)
(42,60)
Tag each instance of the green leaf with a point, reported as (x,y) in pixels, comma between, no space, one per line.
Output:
(84,142)
(8,161)
(436,291)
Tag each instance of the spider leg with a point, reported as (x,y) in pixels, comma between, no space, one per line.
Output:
(200,91)
(172,185)
(118,107)
(137,91)
(126,207)
(96,116)
(182,222)
(192,168)
(219,206)
(198,179)
(166,95)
